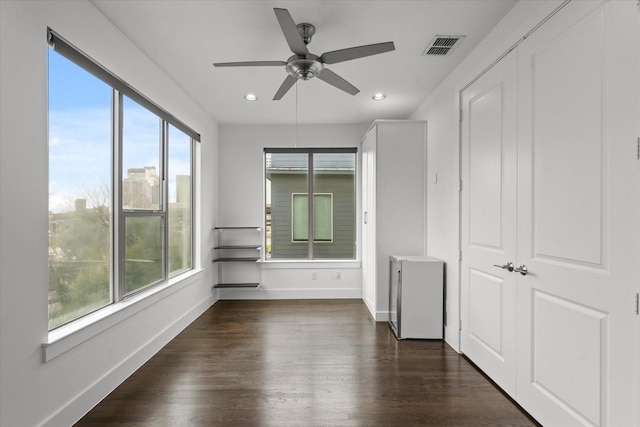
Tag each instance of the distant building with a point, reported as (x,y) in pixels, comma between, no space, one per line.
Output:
(183,189)
(141,188)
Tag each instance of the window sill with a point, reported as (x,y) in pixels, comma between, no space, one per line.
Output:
(66,337)
(306,264)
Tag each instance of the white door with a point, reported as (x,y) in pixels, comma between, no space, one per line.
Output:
(488,229)
(577,213)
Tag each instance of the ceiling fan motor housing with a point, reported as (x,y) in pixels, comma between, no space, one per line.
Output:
(304,67)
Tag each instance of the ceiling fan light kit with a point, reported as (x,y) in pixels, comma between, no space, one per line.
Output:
(304,65)
(304,68)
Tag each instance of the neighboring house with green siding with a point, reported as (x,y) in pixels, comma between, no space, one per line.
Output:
(334,206)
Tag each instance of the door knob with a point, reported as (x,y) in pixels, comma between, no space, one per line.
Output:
(508,266)
(522,270)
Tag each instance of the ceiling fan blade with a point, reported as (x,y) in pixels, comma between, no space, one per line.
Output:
(294,39)
(250,64)
(347,54)
(333,79)
(284,87)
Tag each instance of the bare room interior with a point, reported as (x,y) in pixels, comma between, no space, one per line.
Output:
(323,212)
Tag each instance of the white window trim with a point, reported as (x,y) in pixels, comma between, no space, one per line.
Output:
(72,334)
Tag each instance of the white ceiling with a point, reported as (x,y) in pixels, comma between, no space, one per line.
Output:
(185,37)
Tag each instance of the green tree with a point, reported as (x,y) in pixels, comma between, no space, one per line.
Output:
(143,251)
(79,257)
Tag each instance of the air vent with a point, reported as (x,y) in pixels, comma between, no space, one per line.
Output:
(442,45)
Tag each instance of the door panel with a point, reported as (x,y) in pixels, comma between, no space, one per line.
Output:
(486,295)
(489,222)
(485,168)
(568,122)
(576,321)
(567,365)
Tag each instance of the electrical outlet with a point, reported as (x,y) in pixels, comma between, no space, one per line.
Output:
(314,275)
(339,275)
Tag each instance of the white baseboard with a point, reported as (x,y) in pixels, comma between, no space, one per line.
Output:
(452,337)
(382,316)
(370,306)
(77,407)
(288,293)
(378,316)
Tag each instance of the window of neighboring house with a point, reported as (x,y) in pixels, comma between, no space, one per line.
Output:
(290,176)
(322,217)
(120,188)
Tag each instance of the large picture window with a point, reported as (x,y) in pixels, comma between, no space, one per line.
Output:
(301,227)
(120,188)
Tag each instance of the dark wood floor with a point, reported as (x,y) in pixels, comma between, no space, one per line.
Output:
(303,363)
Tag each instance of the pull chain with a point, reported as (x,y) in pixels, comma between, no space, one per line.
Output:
(296,141)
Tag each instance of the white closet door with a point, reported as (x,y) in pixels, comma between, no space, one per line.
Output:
(577,214)
(489,161)
(369,283)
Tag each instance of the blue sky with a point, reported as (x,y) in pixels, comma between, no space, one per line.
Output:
(70,86)
(80,136)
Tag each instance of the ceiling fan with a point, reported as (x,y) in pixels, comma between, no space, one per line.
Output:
(304,65)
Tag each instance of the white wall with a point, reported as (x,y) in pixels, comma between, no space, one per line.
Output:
(242,204)
(440,110)
(61,390)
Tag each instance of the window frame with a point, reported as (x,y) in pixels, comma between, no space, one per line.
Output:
(128,213)
(119,215)
(310,190)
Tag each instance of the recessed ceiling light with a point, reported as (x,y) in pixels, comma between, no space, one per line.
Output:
(379,96)
(251,97)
